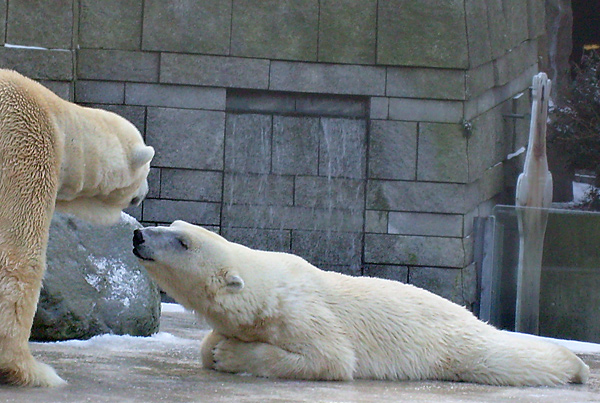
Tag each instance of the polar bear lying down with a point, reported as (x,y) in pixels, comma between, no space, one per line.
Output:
(276,315)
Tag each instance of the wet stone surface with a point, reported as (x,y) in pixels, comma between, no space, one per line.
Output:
(166,368)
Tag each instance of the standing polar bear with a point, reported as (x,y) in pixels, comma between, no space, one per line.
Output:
(276,315)
(53,153)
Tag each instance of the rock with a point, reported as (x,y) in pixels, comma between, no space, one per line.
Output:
(93,283)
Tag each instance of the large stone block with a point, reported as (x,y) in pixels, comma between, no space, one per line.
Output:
(335,193)
(175,96)
(379,108)
(186,138)
(425,224)
(415,250)
(387,271)
(94,284)
(39,64)
(111,24)
(135,114)
(248,139)
(167,211)
(117,65)
(426,110)
(3,10)
(376,221)
(508,25)
(47,24)
(426,197)
(188,26)
(295,145)
(99,92)
(331,105)
(275,29)
(328,247)
(536,12)
(343,148)
(214,71)
(261,239)
(442,155)
(293,218)
(480,79)
(327,78)
(426,33)
(446,283)
(488,143)
(509,66)
(478,32)
(347,31)
(425,83)
(184,184)
(273,190)
(392,150)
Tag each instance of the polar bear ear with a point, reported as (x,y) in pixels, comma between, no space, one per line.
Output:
(141,155)
(234,282)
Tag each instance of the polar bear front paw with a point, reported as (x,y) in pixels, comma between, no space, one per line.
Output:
(33,373)
(232,356)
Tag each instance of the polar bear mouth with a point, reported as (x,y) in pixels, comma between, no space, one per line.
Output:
(138,241)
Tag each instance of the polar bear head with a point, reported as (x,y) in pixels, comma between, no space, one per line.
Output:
(105,166)
(191,263)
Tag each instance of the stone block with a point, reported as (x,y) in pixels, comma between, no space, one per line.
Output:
(347,31)
(248,139)
(261,239)
(387,271)
(135,114)
(261,102)
(63,89)
(335,106)
(293,218)
(328,247)
(446,283)
(187,26)
(379,108)
(3,10)
(536,12)
(183,184)
(122,17)
(426,33)
(117,65)
(216,71)
(295,145)
(442,155)
(376,221)
(425,224)
(425,83)
(426,197)
(99,92)
(327,78)
(275,29)
(167,211)
(175,96)
(509,66)
(426,110)
(93,284)
(47,24)
(508,27)
(266,190)
(39,64)
(487,144)
(185,138)
(343,148)
(478,32)
(393,150)
(154,183)
(414,250)
(329,193)
(479,80)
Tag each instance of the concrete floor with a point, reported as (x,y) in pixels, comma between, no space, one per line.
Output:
(166,367)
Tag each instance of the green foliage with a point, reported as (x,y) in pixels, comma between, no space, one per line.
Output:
(575,127)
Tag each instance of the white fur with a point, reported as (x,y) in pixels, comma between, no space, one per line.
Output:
(53,154)
(286,318)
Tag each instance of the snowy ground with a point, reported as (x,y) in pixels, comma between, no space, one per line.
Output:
(166,368)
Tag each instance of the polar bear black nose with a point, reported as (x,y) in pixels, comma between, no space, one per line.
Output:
(138,238)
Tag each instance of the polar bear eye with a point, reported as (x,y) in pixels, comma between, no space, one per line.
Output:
(182,243)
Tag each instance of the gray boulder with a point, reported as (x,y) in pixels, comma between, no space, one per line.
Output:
(94,284)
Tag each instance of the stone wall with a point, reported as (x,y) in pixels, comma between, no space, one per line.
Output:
(363,135)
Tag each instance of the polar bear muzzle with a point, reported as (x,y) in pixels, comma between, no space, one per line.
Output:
(148,241)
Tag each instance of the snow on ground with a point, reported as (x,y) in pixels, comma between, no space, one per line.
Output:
(164,339)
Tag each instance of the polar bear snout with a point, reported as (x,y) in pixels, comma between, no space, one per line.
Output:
(155,242)
(139,249)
